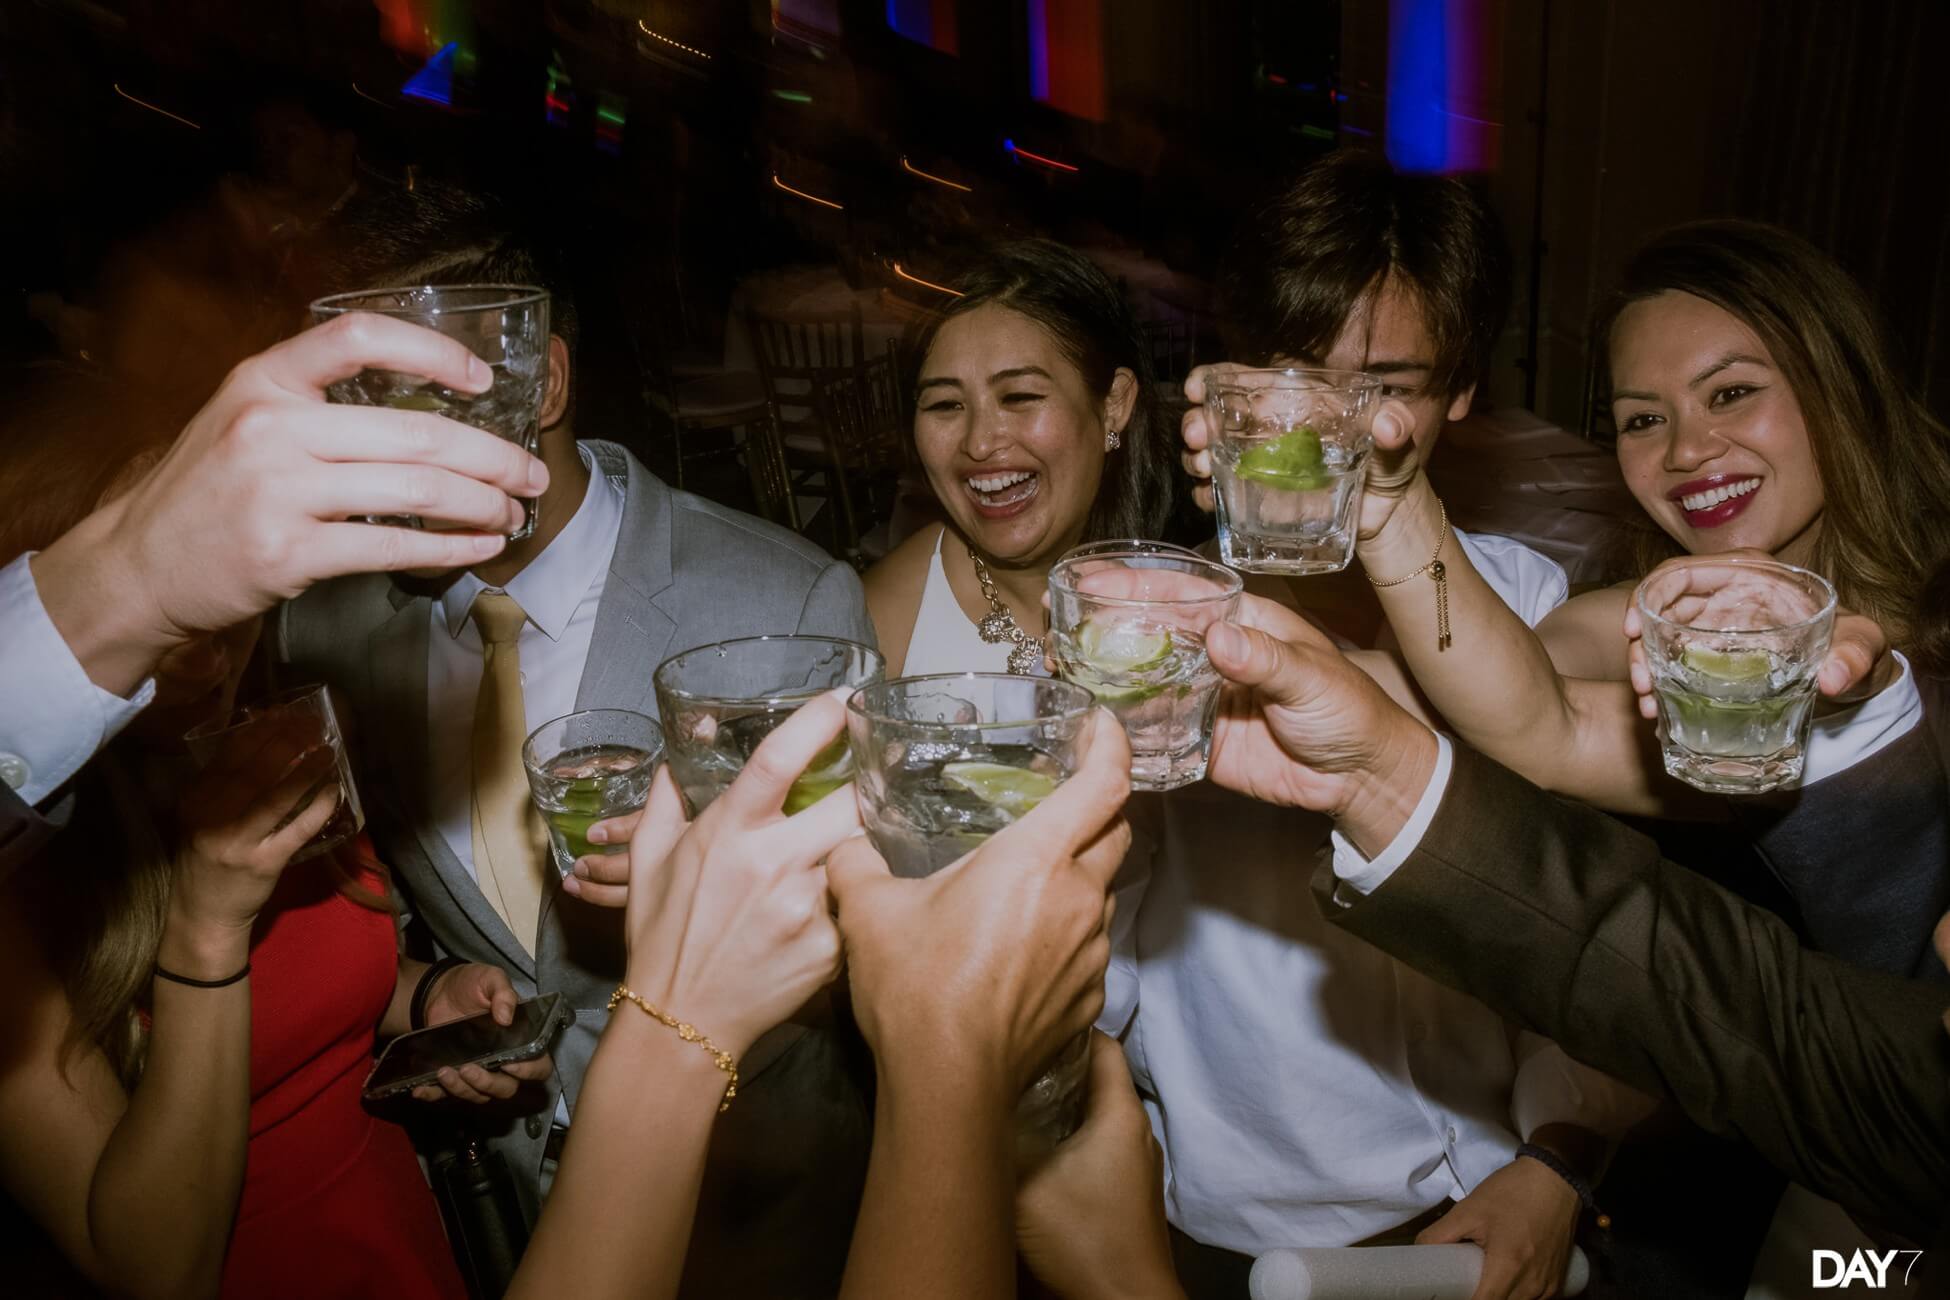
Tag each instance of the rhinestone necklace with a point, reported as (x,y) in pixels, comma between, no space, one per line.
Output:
(999,625)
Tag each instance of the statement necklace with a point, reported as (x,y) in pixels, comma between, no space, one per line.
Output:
(999,625)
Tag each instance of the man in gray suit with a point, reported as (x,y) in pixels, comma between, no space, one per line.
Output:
(621,573)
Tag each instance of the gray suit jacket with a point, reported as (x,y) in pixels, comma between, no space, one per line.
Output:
(685,572)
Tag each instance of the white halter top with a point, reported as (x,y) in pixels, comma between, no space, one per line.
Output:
(944,641)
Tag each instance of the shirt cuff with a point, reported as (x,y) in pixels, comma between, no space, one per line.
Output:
(1840,740)
(52,717)
(1364,875)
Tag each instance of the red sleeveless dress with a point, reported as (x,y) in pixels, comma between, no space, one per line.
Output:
(334,1204)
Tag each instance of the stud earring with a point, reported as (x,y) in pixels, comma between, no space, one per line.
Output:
(1113,439)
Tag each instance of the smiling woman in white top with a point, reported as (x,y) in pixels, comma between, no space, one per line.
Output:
(1038,429)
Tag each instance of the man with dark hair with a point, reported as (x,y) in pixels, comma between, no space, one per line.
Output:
(1356,266)
(1407,1119)
(620,573)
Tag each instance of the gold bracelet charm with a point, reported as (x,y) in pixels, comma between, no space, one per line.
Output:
(689,1034)
(1435,571)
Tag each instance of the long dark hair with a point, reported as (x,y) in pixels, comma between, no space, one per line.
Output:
(1062,291)
(1884,460)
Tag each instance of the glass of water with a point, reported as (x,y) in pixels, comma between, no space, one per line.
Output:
(945,762)
(1129,626)
(505,325)
(306,714)
(588,767)
(719,701)
(1734,647)
(1289,455)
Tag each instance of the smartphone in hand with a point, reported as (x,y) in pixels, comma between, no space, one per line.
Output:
(416,1058)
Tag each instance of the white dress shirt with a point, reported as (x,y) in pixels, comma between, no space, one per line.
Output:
(560,591)
(1307,1089)
(52,717)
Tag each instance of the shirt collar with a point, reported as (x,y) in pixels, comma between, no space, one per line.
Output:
(552,585)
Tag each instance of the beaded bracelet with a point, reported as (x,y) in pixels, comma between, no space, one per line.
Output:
(689,1034)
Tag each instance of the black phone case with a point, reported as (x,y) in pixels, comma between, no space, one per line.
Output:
(556,1016)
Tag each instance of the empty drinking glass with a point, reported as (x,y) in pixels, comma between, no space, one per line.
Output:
(943,763)
(306,714)
(1129,626)
(588,767)
(719,701)
(505,325)
(1734,646)
(1289,456)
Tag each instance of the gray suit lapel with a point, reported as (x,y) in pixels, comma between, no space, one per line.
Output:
(633,632)
(397,654)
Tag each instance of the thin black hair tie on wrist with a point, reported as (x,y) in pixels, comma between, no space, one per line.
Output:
(1586,1197)
(416,1010)
(187,982)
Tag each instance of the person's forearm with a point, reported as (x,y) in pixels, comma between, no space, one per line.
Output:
(937,1217)
(618,1218)
(399,1012)
(164,1193)
(107,620)
(1495,685)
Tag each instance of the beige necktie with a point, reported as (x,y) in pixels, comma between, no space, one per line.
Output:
(509,841)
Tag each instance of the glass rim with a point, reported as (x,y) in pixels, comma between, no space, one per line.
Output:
(1147,545)
(241,715)
(528,744)
(1344,379)
(1827,610)
(512,295)
(1238,582)
(855,706)
(662,685)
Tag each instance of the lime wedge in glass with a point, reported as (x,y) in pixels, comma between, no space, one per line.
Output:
(1015,790)
(1127,647)
(831,768)
(1726,665)
(417,401)
(1291,462)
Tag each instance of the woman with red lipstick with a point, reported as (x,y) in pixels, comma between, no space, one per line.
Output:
(1758,409)
(1036,423)
(190,1022)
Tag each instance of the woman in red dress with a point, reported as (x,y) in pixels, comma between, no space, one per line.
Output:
(187,1026)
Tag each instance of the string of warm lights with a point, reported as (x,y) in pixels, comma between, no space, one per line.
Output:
(926,284)
(912,170)
(812,198)
(174,117)
(659,36)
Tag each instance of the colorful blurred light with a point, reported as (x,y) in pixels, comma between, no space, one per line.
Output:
(933,23)
(810,198)
(1439,60)
(1010,145)
(1066,56)
(143,103)
(912,170)
(435,82)
(925,284)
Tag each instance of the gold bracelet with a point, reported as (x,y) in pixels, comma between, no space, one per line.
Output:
(689,1034)
(1441,575)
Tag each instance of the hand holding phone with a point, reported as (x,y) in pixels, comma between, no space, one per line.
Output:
(417,1059)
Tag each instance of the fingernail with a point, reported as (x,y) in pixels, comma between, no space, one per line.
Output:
(599,834)
(480,372)
(537,476)
(571,886)
(581,870)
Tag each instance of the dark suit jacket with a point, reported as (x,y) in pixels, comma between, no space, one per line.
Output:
(1570,924)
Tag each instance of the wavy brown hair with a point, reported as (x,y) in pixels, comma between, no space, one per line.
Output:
(1884,459)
